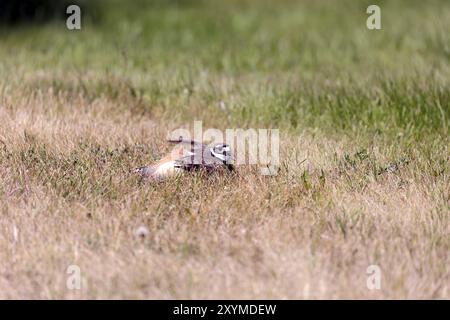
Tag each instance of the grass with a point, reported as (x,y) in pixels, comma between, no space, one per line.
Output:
(80,109)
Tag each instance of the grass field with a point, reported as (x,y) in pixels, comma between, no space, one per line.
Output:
(364,118)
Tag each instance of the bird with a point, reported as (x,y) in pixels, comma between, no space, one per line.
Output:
(189,155)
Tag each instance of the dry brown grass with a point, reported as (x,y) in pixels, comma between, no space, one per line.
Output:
(67,197)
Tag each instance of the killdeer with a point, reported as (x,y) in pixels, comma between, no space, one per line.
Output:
(189,155)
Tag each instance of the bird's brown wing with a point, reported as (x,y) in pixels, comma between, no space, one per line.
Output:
(195,145)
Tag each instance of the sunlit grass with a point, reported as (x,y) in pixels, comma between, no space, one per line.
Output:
(364,175)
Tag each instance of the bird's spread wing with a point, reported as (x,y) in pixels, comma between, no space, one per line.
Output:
(197,162)
(145,171)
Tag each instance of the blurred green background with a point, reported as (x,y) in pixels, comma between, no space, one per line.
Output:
(296,65)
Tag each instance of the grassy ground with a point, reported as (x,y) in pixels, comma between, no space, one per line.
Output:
(79,109)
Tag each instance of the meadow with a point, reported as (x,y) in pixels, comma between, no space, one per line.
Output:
(364,119)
